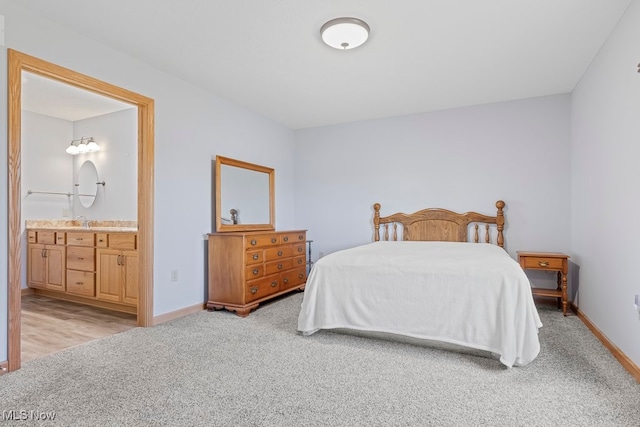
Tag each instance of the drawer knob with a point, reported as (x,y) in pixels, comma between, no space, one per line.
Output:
(286,238)
(543,263)
(253,242)
(255,271)
(300,237)
(299,261)
(300,276)
(273,240)
(279,253)
(254,289)
(300,249)
(274,284)
(255,256)
(279,266)
(286,280)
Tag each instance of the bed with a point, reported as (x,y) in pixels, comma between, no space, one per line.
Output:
(435,276)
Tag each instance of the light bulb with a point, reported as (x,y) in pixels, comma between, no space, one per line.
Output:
(72,149)
(92,147)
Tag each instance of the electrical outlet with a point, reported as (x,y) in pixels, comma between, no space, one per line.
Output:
(174,275)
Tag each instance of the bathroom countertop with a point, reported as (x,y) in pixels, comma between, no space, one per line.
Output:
(75,225)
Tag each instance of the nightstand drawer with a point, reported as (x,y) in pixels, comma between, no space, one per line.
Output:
(542,263)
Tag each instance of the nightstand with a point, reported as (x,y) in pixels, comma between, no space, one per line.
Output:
(548,261)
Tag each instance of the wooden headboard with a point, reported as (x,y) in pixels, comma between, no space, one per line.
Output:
(439,225)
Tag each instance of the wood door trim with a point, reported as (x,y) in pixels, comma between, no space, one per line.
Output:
(18,62)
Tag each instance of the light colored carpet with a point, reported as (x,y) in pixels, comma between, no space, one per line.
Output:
(216,369)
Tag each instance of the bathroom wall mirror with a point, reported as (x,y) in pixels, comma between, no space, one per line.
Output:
(87,184)
(244,196)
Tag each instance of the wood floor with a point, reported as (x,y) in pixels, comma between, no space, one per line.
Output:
(50,325)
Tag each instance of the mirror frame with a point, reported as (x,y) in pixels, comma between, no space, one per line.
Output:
(222,228)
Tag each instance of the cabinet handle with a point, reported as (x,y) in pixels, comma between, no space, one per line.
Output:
(42,253)
(255,271)
(300,249)
(279,253)
(300,237)
(253,242)
(122,260)
(543,263)
(79,239)
(255,256)
(100,240)
(80,258)
(286,238)
(279,266)
(286,280)
(273,240)
(300,276)
(274,284)
(79,283)
(299,261)
(254,289)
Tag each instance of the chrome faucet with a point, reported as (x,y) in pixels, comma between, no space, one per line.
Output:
(85,221)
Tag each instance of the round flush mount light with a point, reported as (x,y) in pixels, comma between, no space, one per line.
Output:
(345,33)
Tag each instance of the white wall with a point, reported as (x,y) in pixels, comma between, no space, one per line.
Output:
(45,166)
(605,237)
(116,163)
(191,127)
(462,159)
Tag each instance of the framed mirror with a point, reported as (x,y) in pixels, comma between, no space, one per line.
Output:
(244,196)
(87,185)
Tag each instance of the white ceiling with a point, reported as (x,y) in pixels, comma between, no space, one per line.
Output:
(56,99)
(422,55)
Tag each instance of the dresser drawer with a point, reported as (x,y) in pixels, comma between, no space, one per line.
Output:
(299,261)
(278,266)
(280,252)
(81,239)
(293,277)
(46,237)
(101,240)
(260,288)
(298,249)
(261,240)
(122,241)
(81,258)
(254,271)
(542,263)
(253,257)
(61,238)
(81,283)
(293,238)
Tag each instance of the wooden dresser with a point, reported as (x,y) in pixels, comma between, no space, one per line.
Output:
(247,268)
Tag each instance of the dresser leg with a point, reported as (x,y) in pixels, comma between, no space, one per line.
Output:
(565,303)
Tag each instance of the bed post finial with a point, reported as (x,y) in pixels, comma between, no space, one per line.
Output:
(376,222)
(500,222)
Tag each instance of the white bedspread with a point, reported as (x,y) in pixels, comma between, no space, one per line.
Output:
(469,294)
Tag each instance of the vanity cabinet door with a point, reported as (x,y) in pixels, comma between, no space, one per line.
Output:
(108,275)
(46,267)
(117,276)
(130,277)
(36,266)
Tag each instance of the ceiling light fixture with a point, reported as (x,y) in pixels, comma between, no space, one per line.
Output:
(86,144)
(345,33)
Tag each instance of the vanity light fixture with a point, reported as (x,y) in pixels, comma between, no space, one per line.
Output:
(345,33)
(85,144)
